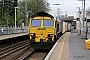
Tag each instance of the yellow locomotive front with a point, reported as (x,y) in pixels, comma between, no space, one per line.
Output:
(42,31)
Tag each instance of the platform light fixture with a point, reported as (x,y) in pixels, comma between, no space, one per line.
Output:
(84,18)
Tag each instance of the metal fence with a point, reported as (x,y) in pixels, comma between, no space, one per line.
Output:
(12,30)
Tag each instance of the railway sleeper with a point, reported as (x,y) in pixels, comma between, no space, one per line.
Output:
(4,55)
(26,54)
(7,49)
(21,53)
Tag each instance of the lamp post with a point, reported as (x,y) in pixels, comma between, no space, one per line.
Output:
(84,18)
(86,21)
(3,3)
(15,20)
(25,6)
(29,14)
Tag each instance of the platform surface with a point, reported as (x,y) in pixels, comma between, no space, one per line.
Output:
(77,47)
(72,47)
(12,35)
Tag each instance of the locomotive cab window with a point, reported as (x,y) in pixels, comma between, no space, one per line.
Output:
(36,23)
(48,23)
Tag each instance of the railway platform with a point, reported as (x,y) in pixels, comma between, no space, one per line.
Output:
(3,37)
(69,47)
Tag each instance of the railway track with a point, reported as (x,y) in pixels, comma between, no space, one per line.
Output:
(17,51)
(38,55)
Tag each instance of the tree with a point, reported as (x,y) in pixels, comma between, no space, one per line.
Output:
(7,12)
(38,5)
(0,9)
(33,6)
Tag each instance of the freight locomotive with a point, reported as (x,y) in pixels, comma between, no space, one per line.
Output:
(44,30)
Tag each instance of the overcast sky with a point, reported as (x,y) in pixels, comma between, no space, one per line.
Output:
(70,6)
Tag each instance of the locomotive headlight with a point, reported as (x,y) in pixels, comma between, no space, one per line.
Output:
(42,17)
(32,34)
(41,33)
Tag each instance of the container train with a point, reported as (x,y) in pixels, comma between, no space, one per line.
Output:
(44,30)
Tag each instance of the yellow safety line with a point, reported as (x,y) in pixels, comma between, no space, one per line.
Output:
(61,49)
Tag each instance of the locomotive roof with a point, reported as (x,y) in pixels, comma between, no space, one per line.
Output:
(42,14)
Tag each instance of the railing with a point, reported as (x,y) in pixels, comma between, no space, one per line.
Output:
(10,30)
